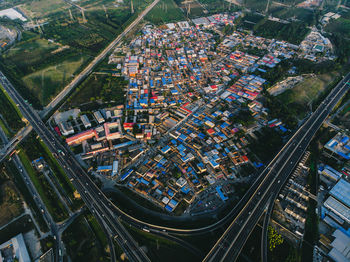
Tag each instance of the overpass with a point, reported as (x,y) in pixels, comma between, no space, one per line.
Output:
(271,180)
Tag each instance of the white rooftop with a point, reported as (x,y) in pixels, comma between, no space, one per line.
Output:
(12,14)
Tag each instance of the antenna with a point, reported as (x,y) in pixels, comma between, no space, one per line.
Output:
(105,11)
(321,7)
(267,7)
(41,31)
(338,5)
(83,14)
(70,14)
(189,9)
(132,7)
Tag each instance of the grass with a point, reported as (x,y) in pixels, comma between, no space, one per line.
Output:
(36,148)
(341,25)
(22,225)
(10,203)
(308,90)
(47,194)
(37,71)
(165,11)
(12,117)
(82,241)
(46,83)
(103,88)
(60,175)
(43,8)
(11,171)
(3,126)
(29,53)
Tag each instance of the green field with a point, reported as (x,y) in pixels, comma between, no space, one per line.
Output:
(293,32)
(47,83)
(40,68)
(10,202)
(46,192)
(35,148)
(42,8)
(85,240)
(11,118)
(10,170)
(165,11)
(96,88)
(303,93)
(216,6)
(46,60)
(27,55)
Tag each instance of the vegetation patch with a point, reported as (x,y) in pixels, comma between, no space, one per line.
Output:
(10,202)
(98,89)
(46,83)
(46,192)
(303,94)
(10,117)
(165,11)
(10,170)
(83,242)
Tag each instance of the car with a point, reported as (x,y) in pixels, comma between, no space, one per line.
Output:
(278,181)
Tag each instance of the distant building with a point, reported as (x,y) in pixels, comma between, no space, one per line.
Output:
(18,250)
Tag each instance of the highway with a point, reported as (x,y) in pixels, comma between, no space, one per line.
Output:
(96,60)
(272,179)
(38,201)
(98,204)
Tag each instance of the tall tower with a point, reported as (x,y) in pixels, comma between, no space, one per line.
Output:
(104,8)
(338,5)
(70,14)
(132,7)
(267,7)
(83,14)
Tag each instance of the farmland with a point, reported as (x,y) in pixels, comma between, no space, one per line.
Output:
(42,8)
(165,11)
(47,59)
(46,83)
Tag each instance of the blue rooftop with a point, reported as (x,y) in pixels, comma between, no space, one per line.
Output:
(218,189)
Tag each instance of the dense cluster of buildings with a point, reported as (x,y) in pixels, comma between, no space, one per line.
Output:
(180,129)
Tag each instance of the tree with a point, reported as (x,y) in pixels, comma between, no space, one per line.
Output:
(275,239)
